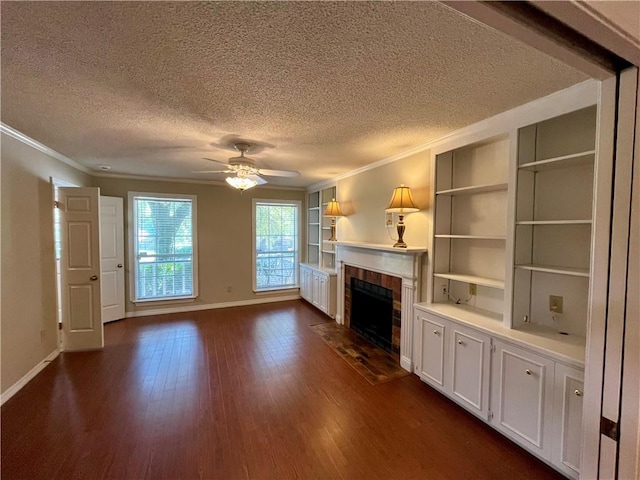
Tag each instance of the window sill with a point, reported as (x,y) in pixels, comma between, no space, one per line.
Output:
(165,301)
(271,291)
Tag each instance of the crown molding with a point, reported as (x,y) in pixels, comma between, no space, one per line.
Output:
(186,180)
(13,133)
(575,97)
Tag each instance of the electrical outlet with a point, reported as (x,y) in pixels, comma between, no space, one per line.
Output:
(444,289)
(388,219)
(473,289)
(555,304)
(229,289)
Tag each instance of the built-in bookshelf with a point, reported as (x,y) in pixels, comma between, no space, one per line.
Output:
(320,251)
(470,222)
(553,225)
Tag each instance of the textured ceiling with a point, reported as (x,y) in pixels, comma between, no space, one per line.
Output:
(150,88)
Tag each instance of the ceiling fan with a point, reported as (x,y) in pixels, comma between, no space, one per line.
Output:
(247,174)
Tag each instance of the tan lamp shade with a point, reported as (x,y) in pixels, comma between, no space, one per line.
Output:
(402,201)
(333,209)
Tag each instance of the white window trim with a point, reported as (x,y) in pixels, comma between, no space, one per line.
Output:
(131,242)
(275,201)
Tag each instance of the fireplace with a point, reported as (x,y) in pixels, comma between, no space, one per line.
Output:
(372,312)
(373,306)
(395,269)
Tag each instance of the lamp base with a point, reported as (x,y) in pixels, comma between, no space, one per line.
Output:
(333,238)
(400,243)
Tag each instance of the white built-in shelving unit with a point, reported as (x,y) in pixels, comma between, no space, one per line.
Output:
(553,225)
(470,226)
(318,275)
(502,332)
(320,251)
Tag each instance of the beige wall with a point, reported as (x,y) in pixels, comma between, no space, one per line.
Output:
(365,196)
(224,236)
(28,307)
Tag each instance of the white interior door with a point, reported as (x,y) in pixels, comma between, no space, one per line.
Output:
(112,258)
(80,269)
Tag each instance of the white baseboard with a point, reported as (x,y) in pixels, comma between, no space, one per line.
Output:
(15,388)
(210,306)
(405,362)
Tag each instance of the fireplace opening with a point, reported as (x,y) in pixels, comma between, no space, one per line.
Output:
(372,312)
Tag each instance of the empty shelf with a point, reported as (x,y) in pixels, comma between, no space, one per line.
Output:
(494,187)
(473,237)
(572,271)
(484,281)
(575,159)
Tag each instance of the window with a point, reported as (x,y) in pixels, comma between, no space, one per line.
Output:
(163,246)
(276,244)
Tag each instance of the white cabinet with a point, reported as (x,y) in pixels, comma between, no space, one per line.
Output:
(306,285)
(455,360)
(531,397)
(567,419)
(470,361)
(522,393)
(432,349)
(318,286)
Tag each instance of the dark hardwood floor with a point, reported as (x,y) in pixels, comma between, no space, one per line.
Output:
(247,392)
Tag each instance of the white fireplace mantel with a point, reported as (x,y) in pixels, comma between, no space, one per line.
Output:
(398,262)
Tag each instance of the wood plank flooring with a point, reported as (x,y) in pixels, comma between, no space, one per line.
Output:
(248,392)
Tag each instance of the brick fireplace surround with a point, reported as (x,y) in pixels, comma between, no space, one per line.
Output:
(383,265)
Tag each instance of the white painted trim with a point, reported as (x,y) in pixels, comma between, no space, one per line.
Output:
(16,387)
(210,306)
(274,201)
(578,96)
(133,247)
(13,133)
(187,180)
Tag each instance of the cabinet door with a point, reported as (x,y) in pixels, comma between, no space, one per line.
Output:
(323,301)
(432,349)
(522,396)
(305,291)
(470,359)
(567,419)
(315,287)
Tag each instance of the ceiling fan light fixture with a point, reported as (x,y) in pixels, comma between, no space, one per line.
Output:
(241,183)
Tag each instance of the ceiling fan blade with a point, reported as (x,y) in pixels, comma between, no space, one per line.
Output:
(258,179)
(212,171)
(215,161)
(278,173)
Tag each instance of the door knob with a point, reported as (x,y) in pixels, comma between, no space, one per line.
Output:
(435,332)
(527,371)
(578,393)
(460,342)
(119,265)
(93,278)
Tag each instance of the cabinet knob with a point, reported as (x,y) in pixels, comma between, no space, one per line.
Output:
(460,342)
(93,278)
(578,393)
(435,332)
(527,371)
